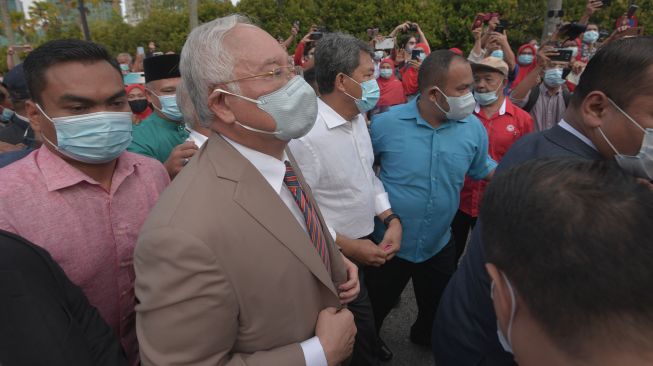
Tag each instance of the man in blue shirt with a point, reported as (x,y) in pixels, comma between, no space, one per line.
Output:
(425,149)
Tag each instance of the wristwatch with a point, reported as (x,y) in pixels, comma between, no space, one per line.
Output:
(391,217)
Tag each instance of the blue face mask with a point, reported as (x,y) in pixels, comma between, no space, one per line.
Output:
(488,97)
(6,115)
(370,94)
(169,107)
(525,59)
(590,36)
(93,138)
(124,67)
(386,73)
(553,77)
(497,54)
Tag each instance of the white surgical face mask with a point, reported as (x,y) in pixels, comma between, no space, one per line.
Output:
(293,108)
(640,165)
(459,107)
(506,342)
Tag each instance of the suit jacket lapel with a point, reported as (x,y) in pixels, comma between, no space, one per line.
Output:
(254,195)
(569,142)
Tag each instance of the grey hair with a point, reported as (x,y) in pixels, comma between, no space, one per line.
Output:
(186,105)
(205,62)
(125,54)
(337,53)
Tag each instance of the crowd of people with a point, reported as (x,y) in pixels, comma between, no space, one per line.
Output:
(231,206)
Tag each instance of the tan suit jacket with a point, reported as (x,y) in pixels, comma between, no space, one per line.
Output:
(225,275)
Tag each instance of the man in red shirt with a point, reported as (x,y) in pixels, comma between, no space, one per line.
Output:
(505,123)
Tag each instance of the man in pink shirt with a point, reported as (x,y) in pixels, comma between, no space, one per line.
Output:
(81,196)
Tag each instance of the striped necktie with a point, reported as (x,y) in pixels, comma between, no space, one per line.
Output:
(310,215)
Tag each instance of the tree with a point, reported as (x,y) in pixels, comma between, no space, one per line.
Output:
(446,23)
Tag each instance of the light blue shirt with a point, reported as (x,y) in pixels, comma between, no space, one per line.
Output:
(423,170)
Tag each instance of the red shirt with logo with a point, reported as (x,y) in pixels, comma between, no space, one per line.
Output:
(505,127)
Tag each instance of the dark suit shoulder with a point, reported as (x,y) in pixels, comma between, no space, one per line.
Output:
(550,143)
(43,310)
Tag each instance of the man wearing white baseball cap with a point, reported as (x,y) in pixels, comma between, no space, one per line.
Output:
(505,123)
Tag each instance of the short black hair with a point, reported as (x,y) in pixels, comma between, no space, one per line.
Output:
(61,51)
(434,69)
(620,69)
(309,75)
(575,238)
(337,53)
(307,48)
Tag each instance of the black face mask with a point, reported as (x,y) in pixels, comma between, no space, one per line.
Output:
(138,105)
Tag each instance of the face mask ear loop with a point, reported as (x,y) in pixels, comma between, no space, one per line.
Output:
(248,128)
(347,94)
(513,308)
(626,115)
(608,141)
(438,105)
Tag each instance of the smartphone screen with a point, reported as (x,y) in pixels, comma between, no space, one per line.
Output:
(563,55)
(140,51)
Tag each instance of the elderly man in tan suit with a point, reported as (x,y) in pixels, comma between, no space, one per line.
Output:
(235,265)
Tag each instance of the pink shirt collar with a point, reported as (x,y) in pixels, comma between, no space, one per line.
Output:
(58,174)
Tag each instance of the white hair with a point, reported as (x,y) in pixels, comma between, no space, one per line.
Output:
(205,62)
(186,106)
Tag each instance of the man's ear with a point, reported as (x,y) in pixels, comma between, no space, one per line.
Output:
(340,83)
(593,109)
(34,116)
(151,98)
(501,297)
(220,107)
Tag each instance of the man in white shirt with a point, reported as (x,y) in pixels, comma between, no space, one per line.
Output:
(235,264)
(336,159)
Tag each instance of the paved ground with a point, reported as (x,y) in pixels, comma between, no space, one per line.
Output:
(396,329)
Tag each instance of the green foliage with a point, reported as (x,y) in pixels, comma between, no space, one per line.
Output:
(445,23)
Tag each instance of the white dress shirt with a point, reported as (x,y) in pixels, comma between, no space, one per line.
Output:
(196,137)
(336,160)
(274,170)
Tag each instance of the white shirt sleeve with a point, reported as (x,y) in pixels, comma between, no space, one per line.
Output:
(332,231)
(381,200)
(313,352)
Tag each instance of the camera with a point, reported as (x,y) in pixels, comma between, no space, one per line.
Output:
(316,36)
(564,55)
(501,27)
(413,27)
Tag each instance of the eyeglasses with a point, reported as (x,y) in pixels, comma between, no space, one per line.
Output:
(286,72)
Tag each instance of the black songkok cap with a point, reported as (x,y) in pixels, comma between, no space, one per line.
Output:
(161,67)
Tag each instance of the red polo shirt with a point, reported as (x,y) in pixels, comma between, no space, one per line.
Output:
(504,128)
